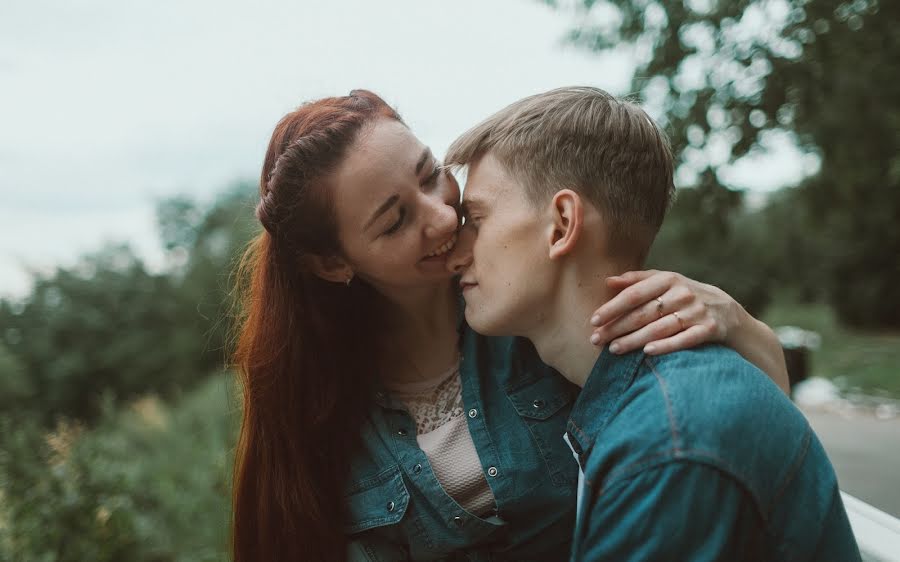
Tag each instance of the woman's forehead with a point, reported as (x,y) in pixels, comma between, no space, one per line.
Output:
(381,163)
(385,145)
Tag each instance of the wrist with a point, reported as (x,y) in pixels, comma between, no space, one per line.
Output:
(741,324)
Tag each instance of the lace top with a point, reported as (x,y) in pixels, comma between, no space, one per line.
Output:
(443,434)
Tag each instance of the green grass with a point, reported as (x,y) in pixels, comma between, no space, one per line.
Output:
(857,360)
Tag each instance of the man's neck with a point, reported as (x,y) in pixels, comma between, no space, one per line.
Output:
(563,340)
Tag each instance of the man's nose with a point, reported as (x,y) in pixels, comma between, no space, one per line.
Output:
(461,255)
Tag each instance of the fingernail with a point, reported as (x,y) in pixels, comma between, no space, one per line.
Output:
(615,348)
(595,339)
(650,348)
(595,320)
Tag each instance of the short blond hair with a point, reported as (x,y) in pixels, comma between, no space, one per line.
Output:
(582,138)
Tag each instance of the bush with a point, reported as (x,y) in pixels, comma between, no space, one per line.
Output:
(150,483)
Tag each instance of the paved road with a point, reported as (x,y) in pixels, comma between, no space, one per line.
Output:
(865,452)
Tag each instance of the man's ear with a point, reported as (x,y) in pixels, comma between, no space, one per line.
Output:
(567,215)
(331,268)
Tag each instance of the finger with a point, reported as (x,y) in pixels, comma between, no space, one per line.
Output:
(692,337)
(660,329)
(617,283)
(632,277)
(672,300)
(632,297)
(631,321)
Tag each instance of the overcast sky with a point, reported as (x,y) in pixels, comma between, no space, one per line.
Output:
(106,106)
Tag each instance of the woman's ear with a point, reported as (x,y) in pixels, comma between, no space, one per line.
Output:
(567,215)
(331,268)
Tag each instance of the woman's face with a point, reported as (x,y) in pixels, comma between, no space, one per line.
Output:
(396,209)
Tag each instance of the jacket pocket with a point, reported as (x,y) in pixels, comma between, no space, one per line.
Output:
(544,405)
(541,398)
(376,501)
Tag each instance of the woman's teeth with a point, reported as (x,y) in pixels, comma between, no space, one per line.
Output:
(448,245)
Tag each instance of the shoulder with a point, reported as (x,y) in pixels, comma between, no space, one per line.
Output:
(705,405)
(713,396)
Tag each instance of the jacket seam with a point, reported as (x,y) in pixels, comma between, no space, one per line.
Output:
(795,468)
(664,389)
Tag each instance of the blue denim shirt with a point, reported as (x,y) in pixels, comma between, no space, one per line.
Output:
(516,409)
(698,456)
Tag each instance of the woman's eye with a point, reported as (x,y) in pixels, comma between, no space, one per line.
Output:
(396,226)
(432,178)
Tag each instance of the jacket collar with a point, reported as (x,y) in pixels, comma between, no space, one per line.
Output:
(598,399)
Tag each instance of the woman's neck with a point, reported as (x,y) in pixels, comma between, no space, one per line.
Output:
(422,334)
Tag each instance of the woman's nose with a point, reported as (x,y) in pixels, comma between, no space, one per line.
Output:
(443,220)
(461,255)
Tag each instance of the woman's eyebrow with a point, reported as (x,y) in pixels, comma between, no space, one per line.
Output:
(391,201)
(422,159)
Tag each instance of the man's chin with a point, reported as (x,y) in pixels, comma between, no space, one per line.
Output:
(481,323)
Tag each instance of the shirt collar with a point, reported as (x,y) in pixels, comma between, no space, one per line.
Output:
(609,378)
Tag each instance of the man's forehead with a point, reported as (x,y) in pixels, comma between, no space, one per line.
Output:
(486,182)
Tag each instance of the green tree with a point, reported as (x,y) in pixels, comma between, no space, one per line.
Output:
(106,324)
(110,326)
(727,74)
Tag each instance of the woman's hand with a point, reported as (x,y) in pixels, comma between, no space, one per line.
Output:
(662,311)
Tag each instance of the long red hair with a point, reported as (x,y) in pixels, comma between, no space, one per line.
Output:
(304,348)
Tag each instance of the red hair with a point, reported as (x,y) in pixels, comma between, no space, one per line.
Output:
(304,349)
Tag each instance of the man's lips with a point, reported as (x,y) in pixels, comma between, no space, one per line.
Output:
(465,285)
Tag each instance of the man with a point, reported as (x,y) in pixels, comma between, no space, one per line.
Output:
(694,455)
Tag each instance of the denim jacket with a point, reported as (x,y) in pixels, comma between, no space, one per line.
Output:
(516,409)
(697,455)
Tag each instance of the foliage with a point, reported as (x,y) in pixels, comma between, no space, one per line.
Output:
(149,483)
(699,239)
(110,326)
(726,75)
(858,361)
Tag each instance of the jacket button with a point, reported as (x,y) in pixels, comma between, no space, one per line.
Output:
(492,471)
(390,506)
(458,521)
(401,432)
(417,469)
(473,413)
(538,404)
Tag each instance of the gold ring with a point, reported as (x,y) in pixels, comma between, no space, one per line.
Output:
(659,307)
(680,321)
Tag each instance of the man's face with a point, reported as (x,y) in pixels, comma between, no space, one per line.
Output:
(502,253)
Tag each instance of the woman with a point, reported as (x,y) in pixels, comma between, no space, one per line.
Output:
(372,415)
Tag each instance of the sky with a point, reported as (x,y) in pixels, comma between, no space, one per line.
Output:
(108,106)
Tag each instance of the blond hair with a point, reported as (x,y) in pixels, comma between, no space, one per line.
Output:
(606,149)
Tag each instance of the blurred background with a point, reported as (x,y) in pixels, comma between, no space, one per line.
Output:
(131,135)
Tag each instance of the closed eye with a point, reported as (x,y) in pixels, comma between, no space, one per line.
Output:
(433,176)
(397,225)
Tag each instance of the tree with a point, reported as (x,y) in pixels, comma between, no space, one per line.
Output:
(725,75)
(110,327)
